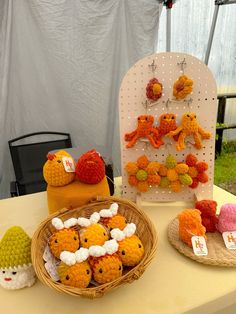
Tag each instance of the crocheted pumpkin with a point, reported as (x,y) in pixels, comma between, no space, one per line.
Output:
(74,270)
(105,263)
(208,214)
(131,249)
(65,238)
(182,87)
(111,219)
(190,224)
(54,172)
(227,218)
(90,168)
(91,232)
(154,89)
(16,270)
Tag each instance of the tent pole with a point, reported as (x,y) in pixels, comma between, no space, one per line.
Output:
(168,29)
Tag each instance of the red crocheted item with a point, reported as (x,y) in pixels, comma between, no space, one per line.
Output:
(153,93)
(191,160)
(208,214)
(90,168)
(201,166)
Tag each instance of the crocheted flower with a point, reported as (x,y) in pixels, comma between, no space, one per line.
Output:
(154,89)
(182,87)
(143,174)
(196,170)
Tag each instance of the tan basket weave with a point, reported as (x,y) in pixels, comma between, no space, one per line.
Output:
(218,254)
(145,231)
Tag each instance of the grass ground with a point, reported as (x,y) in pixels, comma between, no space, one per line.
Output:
(225,168)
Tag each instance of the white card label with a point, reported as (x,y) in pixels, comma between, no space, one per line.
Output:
(68,164)
(230,239)
(199,246)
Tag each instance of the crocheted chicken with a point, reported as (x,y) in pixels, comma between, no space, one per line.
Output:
(167,124)
(144,129)
(208,214)
(189,126)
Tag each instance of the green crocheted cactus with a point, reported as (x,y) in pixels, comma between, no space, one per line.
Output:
(15,248)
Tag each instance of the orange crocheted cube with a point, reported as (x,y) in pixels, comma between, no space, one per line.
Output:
(64,240)
(78,275)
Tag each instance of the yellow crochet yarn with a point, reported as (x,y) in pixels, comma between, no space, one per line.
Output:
(141,175)
(64,240)
(142,162)
(153,167)
(143,186)
(78,275)
(131,168)
(163,171)
(164,182)
(172,175)
(15,248)
(94,234)
(182,87)
(192,171)
(54,172)
(131,251)
(153,179)
(117,221)
(185,179)
(106,268)
(181,168)
(170,162)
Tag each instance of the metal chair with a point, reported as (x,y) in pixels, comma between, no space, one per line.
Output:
(28,159)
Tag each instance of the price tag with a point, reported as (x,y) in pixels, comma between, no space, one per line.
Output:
(230,239)
(68,164)
(199,246)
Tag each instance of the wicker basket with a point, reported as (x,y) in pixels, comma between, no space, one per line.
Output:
(145,231)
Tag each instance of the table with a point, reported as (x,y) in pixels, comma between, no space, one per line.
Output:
(171,284)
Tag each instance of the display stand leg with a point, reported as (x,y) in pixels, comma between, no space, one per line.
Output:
(138,199)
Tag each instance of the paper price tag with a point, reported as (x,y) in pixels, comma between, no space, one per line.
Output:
(199,246)
(68,164)
(230,239)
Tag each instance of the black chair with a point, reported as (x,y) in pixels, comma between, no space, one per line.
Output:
(28,160)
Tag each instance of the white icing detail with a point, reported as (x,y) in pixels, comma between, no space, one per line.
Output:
(117,234)
(111,246)
(57,223)
(70,222)
(97,251)
(68,258)
(81,255)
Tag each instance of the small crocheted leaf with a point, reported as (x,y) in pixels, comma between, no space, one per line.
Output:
(185,179)
(164,182)
(141,175)
(181,168)
(171,162)
(172,175)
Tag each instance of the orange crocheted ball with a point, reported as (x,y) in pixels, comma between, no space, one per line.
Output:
(90,168)
(95,234)
(192,171)
(106,268)
(163,171)
(153,167)
(131,251)
(202,177)
(142,162)
(78,275)
(172,175)
(181,168)
(191,160)
(195,183)
(133,180)
(190,224)
(64,240)
(131,168)
(201,166)
(117,221)
(143,186)
(175,186)
(153,179)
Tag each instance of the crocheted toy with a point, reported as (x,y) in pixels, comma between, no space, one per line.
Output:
(105,263)
(154,89)
(90,168)
(74,270)
(111,219)
(182,87)
(208,214)
(65,238)
(143,174)
(196,170)
(131,249)
(91,232)
(189,126)
(16,270)
(167,123)
(227,218)
(54,171)
(144,129)
(190,224)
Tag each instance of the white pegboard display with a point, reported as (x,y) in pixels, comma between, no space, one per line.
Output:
(132,98)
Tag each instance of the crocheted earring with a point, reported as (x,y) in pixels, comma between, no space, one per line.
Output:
(182,87)
(154,87)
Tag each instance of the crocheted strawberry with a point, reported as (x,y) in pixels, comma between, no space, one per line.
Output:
(90,168)
(208,214)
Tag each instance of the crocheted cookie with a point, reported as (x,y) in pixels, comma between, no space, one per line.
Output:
(16,270)
(54,171)
(111,219)
(131,249)
(105,263)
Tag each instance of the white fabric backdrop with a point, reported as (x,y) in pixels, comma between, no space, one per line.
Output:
(61,64)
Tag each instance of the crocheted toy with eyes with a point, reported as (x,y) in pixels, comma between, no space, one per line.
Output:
(74,270)
(111,219)
(227,218)
(131,249)
(189,126)
(91,232)
(144,129)
(54,171)
(167,124)
(190,224)
(90,167)
(65,238)
(105,263)
(208,214)
(16,270)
